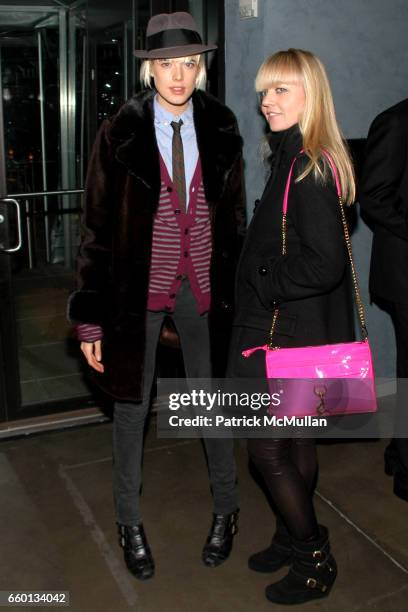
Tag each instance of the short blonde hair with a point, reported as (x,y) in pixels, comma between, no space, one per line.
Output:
(318,123)
(146,71)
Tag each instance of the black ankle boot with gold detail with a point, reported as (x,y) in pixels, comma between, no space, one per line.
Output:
(311,575)
(273,558)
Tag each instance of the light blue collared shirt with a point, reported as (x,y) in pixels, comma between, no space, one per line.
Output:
(164,136)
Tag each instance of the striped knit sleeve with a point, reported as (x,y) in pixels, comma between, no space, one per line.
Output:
(86,332)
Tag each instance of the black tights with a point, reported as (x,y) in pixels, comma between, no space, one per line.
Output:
(288,467)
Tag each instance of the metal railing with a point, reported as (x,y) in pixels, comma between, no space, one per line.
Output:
(61,211)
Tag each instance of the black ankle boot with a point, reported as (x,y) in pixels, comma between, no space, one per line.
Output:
(391,460)
(311,575)
(277,555)
(401,486)
(394,467)
(138,557)
(219,541)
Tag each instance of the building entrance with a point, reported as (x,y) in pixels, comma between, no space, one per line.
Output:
(64,67)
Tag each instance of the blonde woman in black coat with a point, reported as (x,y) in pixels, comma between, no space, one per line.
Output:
(311,286)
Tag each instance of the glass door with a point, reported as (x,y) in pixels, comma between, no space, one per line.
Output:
(64,67)
(42,155)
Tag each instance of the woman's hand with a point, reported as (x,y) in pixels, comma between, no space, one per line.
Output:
(93,354)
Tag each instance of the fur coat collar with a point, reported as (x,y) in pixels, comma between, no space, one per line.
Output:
(133,136)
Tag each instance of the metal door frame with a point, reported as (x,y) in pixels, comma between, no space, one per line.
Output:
(10,392)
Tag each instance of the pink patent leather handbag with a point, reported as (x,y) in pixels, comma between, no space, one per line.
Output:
(326,379)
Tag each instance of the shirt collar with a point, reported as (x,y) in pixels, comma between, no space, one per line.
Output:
(163,116)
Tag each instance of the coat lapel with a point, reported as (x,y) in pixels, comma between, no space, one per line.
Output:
(285,147)
(137,148)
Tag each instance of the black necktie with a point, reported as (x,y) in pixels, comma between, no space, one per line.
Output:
(179,177)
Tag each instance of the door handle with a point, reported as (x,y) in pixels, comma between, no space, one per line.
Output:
(4,220)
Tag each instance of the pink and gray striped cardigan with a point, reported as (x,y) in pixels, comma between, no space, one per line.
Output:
(181,246)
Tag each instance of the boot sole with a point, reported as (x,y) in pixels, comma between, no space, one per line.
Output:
(309,596)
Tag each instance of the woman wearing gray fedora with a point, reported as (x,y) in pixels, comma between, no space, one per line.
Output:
(162,227)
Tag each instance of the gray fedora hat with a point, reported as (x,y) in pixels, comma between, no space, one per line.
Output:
(172,35)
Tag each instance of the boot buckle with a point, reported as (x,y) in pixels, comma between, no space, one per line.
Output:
(317,554)
(312,583)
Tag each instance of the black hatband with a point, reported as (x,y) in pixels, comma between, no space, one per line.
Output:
(172,38)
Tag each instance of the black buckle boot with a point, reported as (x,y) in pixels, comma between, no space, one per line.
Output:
(311,575)
(401,486)
(393,466)
(136,550)
(219,541)
(273,558)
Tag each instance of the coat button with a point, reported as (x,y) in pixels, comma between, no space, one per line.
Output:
(225,305)
(262,271)
(225,254)
(256,204)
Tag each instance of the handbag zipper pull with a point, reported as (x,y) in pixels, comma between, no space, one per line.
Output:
(249,352)
(320,392)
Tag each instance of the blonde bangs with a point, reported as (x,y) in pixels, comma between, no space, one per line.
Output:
(279,68)
(318,124)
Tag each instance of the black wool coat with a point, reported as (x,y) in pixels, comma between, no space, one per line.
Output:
(384,201)
(310,284)
(121,198)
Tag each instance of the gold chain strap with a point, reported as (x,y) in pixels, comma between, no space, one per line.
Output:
(276,311)
(359,302)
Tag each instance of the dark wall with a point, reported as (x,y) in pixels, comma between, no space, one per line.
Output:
(168,6)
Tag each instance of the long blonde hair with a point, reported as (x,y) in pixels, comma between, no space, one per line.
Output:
(318,123)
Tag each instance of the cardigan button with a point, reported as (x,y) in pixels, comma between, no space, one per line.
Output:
(172,295)
(169,189)
(179,277)
(262,271)
(177,211)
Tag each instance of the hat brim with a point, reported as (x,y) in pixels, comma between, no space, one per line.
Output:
(170,52)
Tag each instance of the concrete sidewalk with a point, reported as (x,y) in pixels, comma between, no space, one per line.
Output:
(58,533)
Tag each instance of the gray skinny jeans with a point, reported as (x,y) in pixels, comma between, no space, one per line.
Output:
(129,418)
